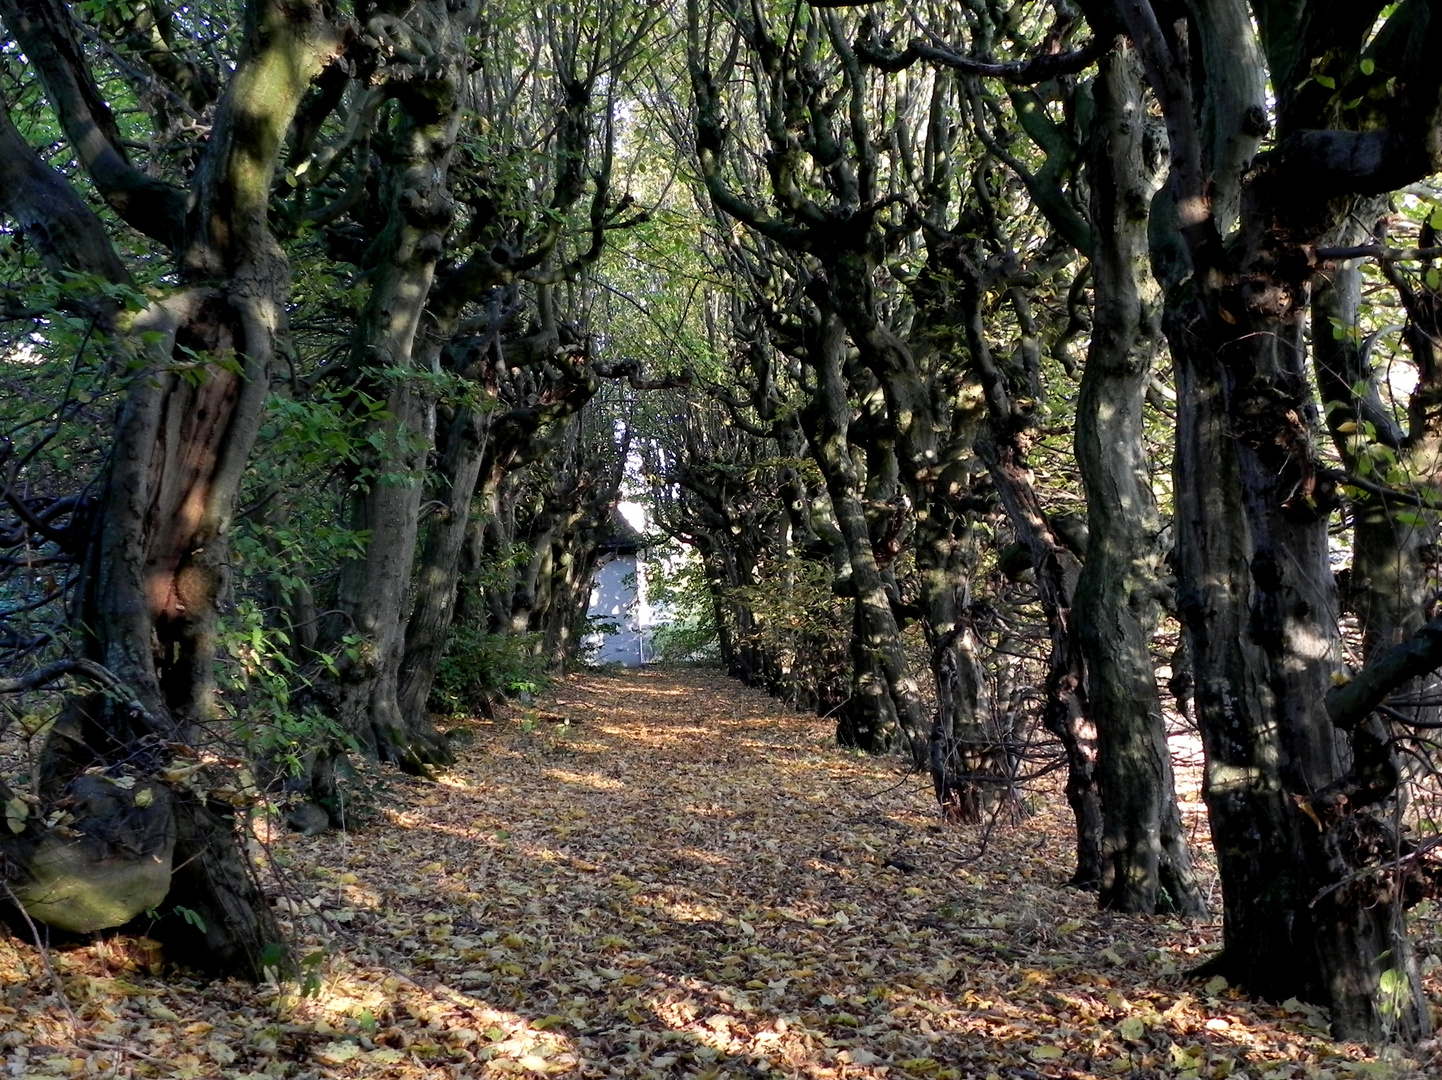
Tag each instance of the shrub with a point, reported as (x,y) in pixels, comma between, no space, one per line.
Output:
(479,668)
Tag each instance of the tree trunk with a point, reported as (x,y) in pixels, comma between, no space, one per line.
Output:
(971,763)
(374,596)
(885,708)
(1001,448)
(1257,600)
(1256,591)
(374,591)
(462,454)
(1145,861)
(1065,712)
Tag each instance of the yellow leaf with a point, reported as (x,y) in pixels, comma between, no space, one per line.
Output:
(179,771)
(1047,1053)
(337,1053)
(1304,804)
(16,811)
(1187,1057)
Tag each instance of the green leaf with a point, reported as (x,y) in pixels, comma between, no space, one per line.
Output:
(1368,66)
(191,916)
(1327,81)
(1395,989)
(1412,519)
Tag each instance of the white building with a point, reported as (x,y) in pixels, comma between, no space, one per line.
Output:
(618,594)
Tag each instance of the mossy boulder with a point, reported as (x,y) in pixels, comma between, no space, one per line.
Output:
(108,863)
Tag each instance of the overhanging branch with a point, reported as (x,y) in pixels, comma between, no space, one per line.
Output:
(1348,705)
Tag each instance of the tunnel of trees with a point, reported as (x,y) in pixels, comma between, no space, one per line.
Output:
(1015,375)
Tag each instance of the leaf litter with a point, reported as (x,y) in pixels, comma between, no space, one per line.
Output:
(664,874)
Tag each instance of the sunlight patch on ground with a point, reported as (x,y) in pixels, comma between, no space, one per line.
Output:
(704,888)
(590,780)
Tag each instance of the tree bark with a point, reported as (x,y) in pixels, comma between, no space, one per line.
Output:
(1257,595)
(463,451)
(375,590)
(885,708)
(1065,713)
(1145,861)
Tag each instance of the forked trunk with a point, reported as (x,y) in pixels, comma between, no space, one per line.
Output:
(885,708)
(438,571)
(1065,711)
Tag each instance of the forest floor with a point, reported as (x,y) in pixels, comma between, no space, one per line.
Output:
(664,874)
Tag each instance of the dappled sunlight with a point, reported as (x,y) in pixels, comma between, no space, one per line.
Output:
(591,780)
(708,858)
(717,895)
(687,911)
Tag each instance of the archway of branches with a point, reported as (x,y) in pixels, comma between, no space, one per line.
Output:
(1024,384)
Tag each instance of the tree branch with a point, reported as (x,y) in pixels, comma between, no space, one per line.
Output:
(45,32)
(1037,69)
(63,230)
(1348,705)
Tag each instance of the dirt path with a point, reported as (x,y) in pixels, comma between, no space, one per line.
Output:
(662,874)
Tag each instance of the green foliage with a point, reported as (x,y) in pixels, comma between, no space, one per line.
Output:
(1394,991)
(680,587)
(258,680)
(798,616)
(479,666)
(191,916)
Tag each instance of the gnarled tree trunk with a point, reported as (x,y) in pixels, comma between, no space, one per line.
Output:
(373,597)
(1145,861)
(1290,818)
(885,708)
(156,568)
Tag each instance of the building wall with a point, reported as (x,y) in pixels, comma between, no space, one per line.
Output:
(618,596)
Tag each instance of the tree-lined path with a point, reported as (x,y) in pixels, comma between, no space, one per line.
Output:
(665,874)
(994,379)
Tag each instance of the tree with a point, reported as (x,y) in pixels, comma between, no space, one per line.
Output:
(155,566)
(1145,861)
(1307,912)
